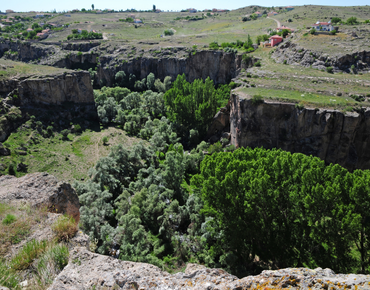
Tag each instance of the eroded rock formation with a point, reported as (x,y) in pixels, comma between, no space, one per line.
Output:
(40,190)
(336,137)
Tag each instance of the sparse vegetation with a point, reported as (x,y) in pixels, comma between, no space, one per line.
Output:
(65,228)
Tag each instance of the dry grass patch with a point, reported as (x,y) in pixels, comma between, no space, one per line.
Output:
(65,228)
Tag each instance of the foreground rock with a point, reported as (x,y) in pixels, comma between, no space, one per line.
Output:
(40,190)
(87,270)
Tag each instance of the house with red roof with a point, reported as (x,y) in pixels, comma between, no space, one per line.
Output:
(275,39)
(289,8)
(259,14)
(138,20)
(323,26)
(272,13)
(42,35)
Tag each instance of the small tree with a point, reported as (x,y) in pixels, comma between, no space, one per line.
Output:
(105,140)
(335,20)
(154,8)
(313,31)
(352,20)
(65,133)
(92,6)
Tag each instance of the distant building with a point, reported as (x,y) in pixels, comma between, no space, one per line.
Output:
(289,8)
(273,13)
(323,26)
(46,31)
(192,10)
(67,15)
(138,21)
(99,12)
(158,10)
(259,14)
(42,35)
(9,11)
(29,29)
(39,16)
(275,39)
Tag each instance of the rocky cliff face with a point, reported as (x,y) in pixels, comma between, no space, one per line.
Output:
(294,54)
(333,136)
(70,87)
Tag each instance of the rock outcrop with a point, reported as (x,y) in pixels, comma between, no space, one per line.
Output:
(336,137)
(87,270)
(40,190)
(291,53)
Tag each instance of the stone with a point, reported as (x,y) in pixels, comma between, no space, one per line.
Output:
(87,270)
(21,167)
(40,190)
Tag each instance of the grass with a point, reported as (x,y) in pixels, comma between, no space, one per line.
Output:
(317,100)
(65,228)
(43,260)
(15,69)
(66,159)
(9,219)
(24,218)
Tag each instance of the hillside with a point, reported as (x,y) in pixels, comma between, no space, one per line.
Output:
(188,144)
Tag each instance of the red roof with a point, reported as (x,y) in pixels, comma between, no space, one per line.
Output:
(276,37)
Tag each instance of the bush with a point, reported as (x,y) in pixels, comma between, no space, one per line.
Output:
(105,140)
(9,219)
(65,133)
(313,31)
(246,59)
(329,69)
(11,169)
(335,20)
(258,63)
(358,98)
(333,32)
(65,228)
(299,106)
(78,128)
(257,99)
(168,32)
(285,61)
(352,20)
(214,45)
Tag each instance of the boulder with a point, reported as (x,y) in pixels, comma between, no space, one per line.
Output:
(3,150)
(40,190)
(87,270)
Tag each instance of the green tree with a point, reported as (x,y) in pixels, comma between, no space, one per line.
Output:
(335,20)
(92,6)
(352,20)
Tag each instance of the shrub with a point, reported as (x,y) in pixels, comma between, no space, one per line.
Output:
(65,228)
(9,219)
(65,133)
(214,45)
(11,169)
(358,98)
(105,140)
(257,99)
(258,63)
(217,147)
(78,128)
(329,69)
(285,61)
(299,106)
(352,20)
(313,31)
(333,32)
(246,59)
(168,32)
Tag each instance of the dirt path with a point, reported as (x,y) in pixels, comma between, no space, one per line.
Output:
(277,21)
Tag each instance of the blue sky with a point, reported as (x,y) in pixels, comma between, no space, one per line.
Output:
(42,5)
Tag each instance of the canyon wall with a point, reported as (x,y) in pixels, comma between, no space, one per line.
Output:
(292,53)
(336,137)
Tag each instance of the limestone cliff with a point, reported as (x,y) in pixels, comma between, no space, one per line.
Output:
(292,53)
(69,87)
(336,137)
